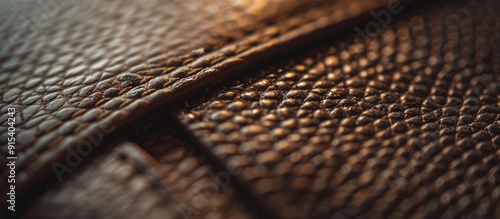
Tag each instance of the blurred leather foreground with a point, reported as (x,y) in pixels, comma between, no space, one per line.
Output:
(250,109)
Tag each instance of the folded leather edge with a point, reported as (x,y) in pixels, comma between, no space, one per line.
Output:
(296,37)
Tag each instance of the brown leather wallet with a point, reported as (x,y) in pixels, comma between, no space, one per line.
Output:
(250,109)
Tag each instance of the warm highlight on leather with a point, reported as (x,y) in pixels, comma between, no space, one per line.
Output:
(252,108)
(404,125)
(136,58)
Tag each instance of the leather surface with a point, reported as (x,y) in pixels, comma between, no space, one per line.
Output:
(88,65)
(403,125)
(114,186)
(95,66)
(156,175)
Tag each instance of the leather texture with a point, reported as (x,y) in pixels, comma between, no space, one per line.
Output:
(160,178)
(70,84)
(403,125)
(84,69)
(251,109)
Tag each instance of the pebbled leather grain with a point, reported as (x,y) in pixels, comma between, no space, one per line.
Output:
(116,185)
(404,125)
(96,63)
(94,67)
(155,175)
